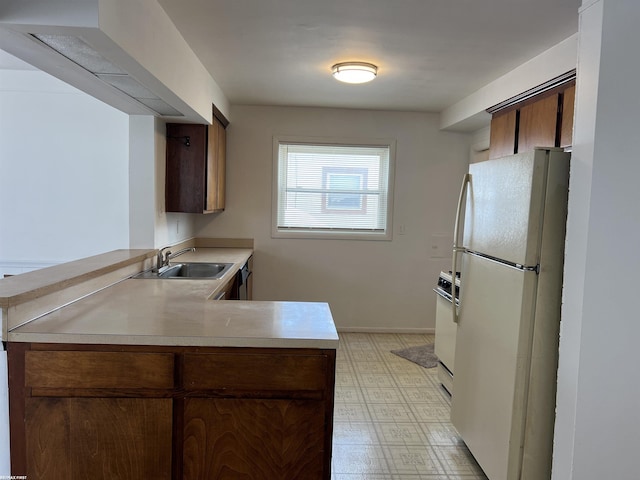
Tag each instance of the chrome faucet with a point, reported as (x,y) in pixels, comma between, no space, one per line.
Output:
(162,258)
(178,253)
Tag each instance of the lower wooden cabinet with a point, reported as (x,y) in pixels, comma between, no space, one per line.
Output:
(267,414)
(123,438)
(253,438)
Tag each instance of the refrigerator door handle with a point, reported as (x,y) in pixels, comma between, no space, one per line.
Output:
(456,233)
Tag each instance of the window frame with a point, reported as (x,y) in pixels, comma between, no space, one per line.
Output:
(313,233)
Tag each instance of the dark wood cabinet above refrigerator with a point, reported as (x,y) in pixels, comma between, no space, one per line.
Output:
(542,119)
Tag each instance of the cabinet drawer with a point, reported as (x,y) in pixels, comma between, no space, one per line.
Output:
(73,369)
(255,372)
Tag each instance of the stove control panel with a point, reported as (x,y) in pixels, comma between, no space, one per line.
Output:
(444,283)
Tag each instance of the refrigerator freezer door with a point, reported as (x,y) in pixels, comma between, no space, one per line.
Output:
(505,203)
(492,358)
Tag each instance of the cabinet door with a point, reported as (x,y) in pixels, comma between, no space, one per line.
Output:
(221,133)
(196,167)
(503,135)
(123,438)
(216,167)
(568,104)
(538,122)
(186,186)
(253,439)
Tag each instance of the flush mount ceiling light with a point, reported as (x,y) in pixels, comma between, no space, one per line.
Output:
(354,72)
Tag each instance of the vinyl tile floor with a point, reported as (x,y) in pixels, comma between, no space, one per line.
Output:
(391,417)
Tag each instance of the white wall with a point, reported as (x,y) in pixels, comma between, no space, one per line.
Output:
(370,285)
(77,177)
(142,181)
(597,423)
(64,188)
(150,225)
(469,113)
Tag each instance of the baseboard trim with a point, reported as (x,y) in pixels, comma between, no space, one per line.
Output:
(424,331)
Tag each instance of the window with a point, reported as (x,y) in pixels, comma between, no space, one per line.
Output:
(343,180)
(333,189)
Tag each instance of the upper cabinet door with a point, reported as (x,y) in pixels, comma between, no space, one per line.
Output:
(538,122)
(216,166)
(532,120)
(185,186)
(568,105)
(503,134)
(196,166)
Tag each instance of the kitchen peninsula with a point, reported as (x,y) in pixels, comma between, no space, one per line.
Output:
(147,378)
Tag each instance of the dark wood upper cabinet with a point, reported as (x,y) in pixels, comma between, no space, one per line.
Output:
(196,166)
(216,166)
(538,121)
(502,140)
(529,120)
(568,105)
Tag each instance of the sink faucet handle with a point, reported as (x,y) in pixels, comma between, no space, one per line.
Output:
(162,258)
(179,252)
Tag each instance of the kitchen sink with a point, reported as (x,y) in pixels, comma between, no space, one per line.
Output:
(210,271)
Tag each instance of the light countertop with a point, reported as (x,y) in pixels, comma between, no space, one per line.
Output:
(27,286)
(180,312)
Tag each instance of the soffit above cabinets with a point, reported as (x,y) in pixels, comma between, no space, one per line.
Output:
(71,59)
(127,54)
(76,50)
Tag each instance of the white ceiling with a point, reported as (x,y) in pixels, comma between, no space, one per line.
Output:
(430,53)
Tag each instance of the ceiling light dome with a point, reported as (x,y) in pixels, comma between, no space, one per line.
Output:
(354,72)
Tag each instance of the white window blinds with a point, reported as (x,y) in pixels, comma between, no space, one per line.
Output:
(340,189)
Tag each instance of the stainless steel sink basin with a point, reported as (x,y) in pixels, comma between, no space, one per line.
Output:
(196,270)
(209,271)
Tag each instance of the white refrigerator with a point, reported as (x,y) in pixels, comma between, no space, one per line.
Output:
(511,261)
